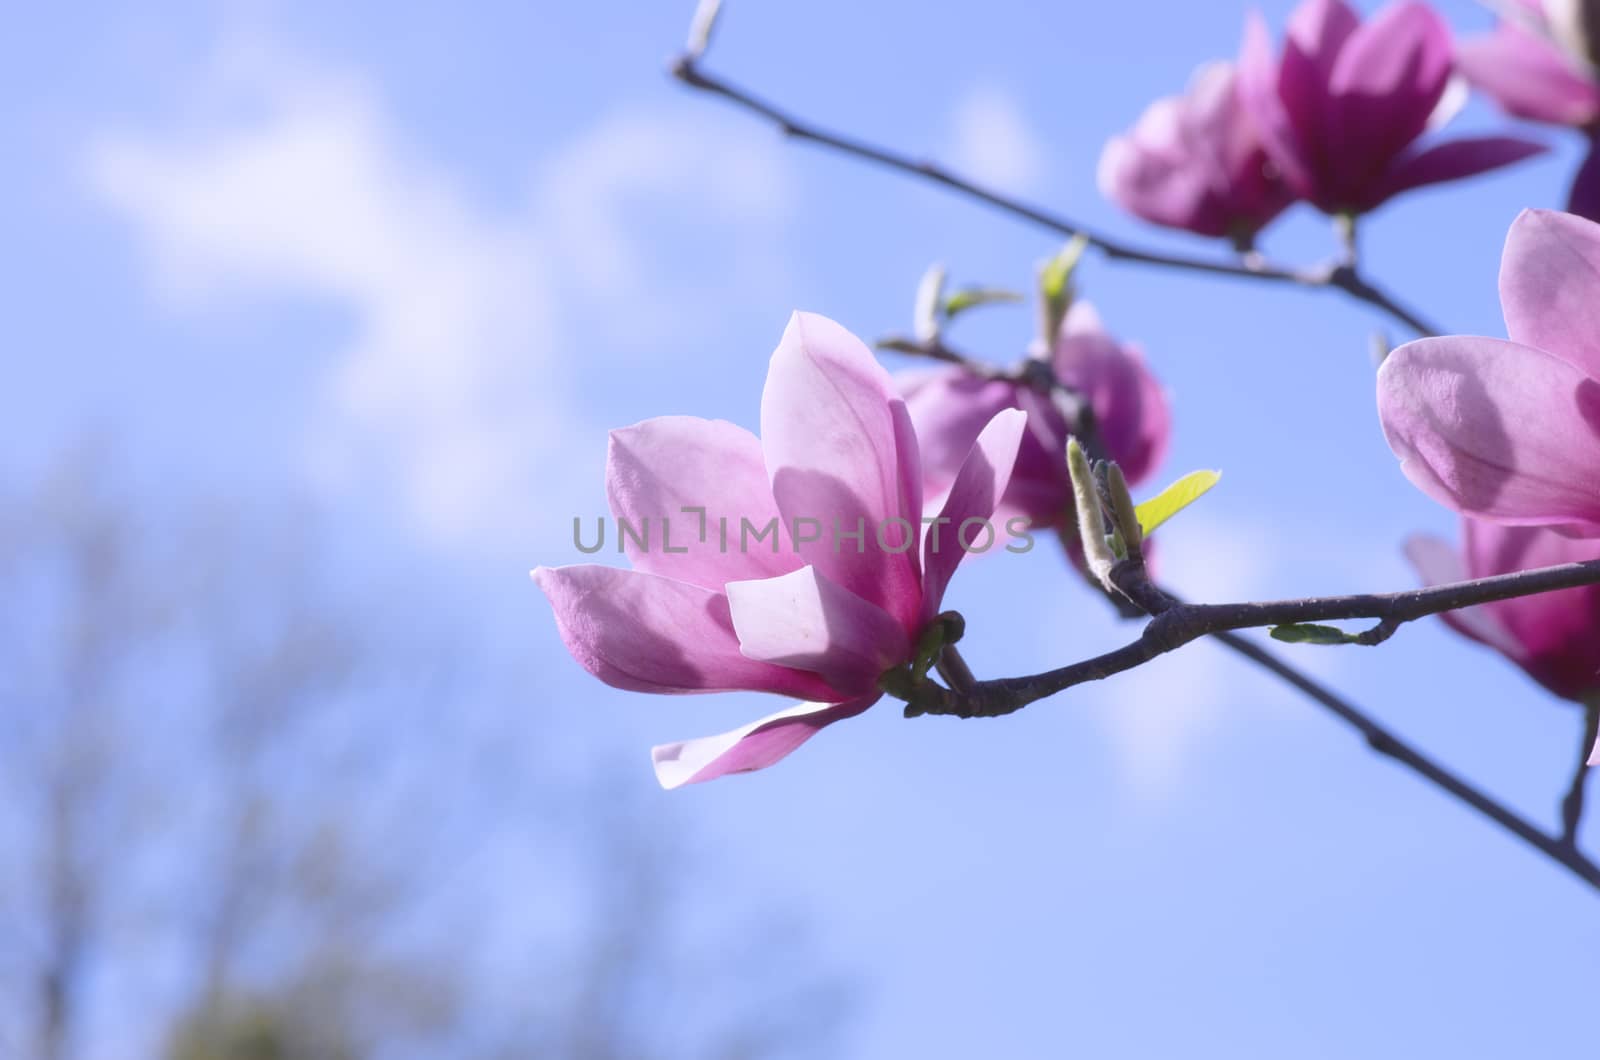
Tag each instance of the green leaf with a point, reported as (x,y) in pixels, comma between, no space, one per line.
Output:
(971,297)
(1311,633)
(1055,287)
(1174,499)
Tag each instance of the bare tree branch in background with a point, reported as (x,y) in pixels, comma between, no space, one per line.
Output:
(229,814)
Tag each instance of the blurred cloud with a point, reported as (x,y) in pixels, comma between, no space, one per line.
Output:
(452,387)
(992,142)
(1158,717)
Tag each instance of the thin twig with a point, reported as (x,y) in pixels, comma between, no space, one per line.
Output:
(1174,624)
(1572,805)
(1340,276)
(1382,740)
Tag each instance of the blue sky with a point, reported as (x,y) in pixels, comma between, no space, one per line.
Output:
(416,259)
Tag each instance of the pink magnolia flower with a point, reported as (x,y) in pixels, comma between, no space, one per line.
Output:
(1341,109)
(950,406)
(1510,431)
(1555,637)
(1195,162)
(838,593)
(1539,65)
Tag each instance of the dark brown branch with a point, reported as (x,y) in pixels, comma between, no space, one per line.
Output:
(1386,743)
(1572,805)
(1341,277)
(1175,624)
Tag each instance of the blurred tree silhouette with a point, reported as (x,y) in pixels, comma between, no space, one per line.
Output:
(231,825)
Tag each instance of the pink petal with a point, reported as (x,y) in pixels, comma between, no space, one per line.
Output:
(1529,76)
(1129,404)
(975,495)
(1382,90)
(1319,31)
(809,622)
(1161,187)
(949,411)
(1557,635)
(658,468)
(1594,756)
(1437,562)
(1259,78)
(751,747)
(1495,430)
(1550,286)
(645,633)
(841,451)
(1450,161)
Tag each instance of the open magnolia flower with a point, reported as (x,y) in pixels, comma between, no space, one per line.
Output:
(1196,162)
(949,406)
(1554,637)
(794,564)
(1509,431)
(1341,108)
(1540,64)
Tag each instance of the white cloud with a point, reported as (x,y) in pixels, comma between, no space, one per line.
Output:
(298,182)
(992,143)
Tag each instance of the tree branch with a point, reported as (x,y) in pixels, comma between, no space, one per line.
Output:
(1340,276)
(1191,621)
(1572,805)
(1174,624)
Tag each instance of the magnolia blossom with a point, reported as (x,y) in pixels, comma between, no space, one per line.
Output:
(1195,162)
(1540,65)
(950,406)
(1510,431)
(820,610)
(1341,109)
(1555,637)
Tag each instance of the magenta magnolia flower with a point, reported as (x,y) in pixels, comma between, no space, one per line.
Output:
(950,406)
(1341,109)
(1510,431)
(835,592)
(1540,66)
(1195,162)
(1555,637)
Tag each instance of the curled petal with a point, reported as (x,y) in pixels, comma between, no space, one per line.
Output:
(807,621)
(1495,430)
(841,453)
(686,487)
(950,407)
(1550,286)
(646,633)
(976,494)
(751,747)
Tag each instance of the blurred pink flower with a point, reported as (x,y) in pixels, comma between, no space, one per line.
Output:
(818,619)
(1195,162)
(1341,109)
(1510,431)
(951,405)
(1539,65)
(1555,637)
